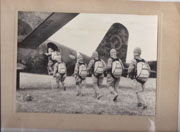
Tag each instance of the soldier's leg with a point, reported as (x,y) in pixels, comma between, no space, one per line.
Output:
(95,81)
(140,97)
(50,67)
(100,82)
(95,85)
(77,85)
(78,89)
(63,77)
(58,80)
(83,83)
(116,86)
(110,84)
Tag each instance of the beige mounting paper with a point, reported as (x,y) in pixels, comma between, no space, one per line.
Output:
(168,64)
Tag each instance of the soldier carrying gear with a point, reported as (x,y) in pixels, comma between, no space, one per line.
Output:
(97,66)
(117,66)
(60,72)
(82,69)
(114,72)
(52,52)
(80,73)
(51,62)
(139,69)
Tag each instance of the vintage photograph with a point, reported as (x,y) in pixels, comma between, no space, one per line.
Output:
(84,63)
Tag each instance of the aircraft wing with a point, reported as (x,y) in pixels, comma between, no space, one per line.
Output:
(49,26)
(31,34)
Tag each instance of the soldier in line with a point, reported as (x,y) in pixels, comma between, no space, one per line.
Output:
(50,60)
(80,73)
(97,67)
(139,70)
(60,72)
(114,71)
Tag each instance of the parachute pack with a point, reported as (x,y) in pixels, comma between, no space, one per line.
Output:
(82,70)
(142,70)
(117,68)
(98,67)
(62,68)
(56,56)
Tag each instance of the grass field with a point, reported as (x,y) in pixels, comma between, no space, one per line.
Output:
(49,100)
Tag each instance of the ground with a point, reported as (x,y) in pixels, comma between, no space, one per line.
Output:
(48,99)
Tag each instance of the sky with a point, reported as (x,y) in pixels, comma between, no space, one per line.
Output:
(85,32)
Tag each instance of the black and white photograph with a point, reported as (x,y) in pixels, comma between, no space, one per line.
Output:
(86,63)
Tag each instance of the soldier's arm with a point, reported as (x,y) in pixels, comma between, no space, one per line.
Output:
(75,70)
(148,66)
(48,54)
(131,66)
(121,64)
(90,65)
(104,64)
(109,63)
(65,66)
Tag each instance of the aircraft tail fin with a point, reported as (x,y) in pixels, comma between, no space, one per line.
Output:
(117,38)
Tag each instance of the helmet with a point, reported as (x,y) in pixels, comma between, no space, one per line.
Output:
(95,54)
(113,53)
(53,46)
(137,51)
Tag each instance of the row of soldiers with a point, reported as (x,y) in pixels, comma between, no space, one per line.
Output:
(97,66)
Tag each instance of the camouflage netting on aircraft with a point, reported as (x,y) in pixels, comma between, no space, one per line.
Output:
(117,38)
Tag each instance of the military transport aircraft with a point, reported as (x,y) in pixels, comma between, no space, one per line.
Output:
(33,42)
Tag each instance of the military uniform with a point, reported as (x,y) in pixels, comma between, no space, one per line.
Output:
(139,91)
(50,63)
(60,78)
(80,82)
(97,79)
(112,81)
